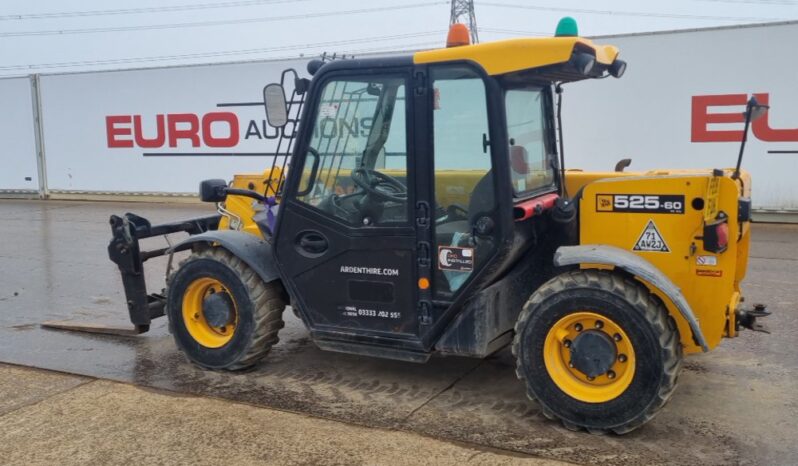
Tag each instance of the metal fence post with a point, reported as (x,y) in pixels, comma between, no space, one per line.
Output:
(38,131)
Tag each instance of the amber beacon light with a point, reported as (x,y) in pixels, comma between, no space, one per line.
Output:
(458,35)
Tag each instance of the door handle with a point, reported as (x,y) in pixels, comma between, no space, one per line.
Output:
(312,242)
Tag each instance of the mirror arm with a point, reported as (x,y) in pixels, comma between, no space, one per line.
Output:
(750,107)
(748,110)
(558,90)
(246,193)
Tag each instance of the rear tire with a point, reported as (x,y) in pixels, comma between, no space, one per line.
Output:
(630,383)
(256,311)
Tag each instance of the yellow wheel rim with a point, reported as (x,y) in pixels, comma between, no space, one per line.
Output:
(557,358)
(199,328)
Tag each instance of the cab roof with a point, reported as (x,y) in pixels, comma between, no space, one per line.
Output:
(514,55)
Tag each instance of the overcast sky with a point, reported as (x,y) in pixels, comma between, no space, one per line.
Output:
(63,35)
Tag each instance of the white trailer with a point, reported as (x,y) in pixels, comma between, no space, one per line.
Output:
(162,130)
(19,175)
(680,105)
(156,130)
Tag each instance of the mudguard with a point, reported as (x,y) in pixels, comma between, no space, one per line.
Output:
(255,252)
(638,266)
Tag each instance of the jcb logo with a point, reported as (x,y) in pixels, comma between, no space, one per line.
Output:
(604,202)
(703,117)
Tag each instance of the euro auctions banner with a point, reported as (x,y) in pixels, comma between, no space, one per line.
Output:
(157,130)
(681,103)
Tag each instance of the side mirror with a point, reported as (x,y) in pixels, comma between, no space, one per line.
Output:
(276,107)
(213,190)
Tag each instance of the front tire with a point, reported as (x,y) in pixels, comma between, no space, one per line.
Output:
(597,351)
(221,314)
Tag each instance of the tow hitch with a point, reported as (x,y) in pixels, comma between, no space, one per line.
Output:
(747,318)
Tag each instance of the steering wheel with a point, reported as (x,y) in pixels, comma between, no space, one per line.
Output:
(456,211)
(370,180)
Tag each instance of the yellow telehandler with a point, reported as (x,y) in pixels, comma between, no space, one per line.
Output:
(425,208)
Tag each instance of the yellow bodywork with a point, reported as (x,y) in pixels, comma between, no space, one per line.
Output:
(713,291)
(238,210)
(507,56)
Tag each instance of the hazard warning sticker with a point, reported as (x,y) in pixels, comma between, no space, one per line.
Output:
(651,240)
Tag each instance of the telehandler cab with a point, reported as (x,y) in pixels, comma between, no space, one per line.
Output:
(426,209)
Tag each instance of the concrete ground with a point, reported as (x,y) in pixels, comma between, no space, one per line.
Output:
(735,405)
(52,418)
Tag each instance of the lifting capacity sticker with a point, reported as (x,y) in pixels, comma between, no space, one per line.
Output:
(651,240)
(640,203)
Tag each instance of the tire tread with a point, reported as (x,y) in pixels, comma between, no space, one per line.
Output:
(267,303)
(639,297)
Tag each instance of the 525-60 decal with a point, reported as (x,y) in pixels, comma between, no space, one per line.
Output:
(640,203)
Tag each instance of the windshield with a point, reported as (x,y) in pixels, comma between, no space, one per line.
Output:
(359,127)
(531,155)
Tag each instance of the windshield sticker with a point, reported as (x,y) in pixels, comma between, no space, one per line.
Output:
(328,110)
(455,258)
(640,203)
(651,240)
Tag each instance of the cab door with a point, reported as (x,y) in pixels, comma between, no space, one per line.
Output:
(346,237)
(465,149)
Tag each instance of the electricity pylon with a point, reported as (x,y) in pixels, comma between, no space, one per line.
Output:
(463,12)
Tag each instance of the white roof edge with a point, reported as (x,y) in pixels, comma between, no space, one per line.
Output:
(706,29)
(162,67)
(304,58)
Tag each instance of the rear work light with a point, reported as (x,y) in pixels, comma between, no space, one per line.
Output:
(716,234)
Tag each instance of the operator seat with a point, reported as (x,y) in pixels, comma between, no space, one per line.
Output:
(480,204)
(482,201)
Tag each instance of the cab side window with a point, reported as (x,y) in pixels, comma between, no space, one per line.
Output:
(464,184)
(530,157)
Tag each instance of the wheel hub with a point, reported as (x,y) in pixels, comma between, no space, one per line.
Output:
(217,308)
(593,353)
(589,357)
(209,312)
